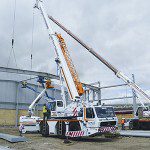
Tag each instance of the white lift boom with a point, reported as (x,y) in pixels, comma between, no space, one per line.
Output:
(32,106)
(72,89)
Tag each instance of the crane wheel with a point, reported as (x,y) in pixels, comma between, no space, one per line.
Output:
(74,126)
(131,125)
(44,129)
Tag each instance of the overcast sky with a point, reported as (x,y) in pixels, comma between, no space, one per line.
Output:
(119,30)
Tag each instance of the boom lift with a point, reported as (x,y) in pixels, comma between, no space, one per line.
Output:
(30,123)
(79,118)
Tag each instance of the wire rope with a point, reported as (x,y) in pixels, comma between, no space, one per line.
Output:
(13,36)
(32,39)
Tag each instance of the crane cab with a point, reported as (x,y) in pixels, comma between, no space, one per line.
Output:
(57,108)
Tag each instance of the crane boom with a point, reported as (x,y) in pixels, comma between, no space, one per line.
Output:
(118,73)
(70,65)
(63,64)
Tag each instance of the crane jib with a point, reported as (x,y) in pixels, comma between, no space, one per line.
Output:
(85,45)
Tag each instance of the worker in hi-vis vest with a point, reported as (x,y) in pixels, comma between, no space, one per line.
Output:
(122,123)
(44,112)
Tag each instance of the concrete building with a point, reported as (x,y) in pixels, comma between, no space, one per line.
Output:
(14,100)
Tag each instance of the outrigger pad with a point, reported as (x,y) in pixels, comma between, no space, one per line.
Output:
(12,138)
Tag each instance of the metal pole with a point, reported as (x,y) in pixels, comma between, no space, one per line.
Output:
(85,95)
(116,98)
(93,95)
(134,97)
(88,95)
(37,111)
(99,94)
(17,106)
(113,86)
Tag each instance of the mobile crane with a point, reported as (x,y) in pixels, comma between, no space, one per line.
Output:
(85,118)
(80,117)
(142,115)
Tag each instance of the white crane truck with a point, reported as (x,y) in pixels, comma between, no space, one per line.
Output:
(86,118)
(80,117)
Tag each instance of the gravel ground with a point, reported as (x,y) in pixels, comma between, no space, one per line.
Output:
(37,142)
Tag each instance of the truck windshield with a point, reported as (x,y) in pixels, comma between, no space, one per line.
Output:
(103,112)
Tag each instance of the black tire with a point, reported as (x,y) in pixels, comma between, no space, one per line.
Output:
(44,132)
(134,124)
(74,126)
(131,125)
(41,127)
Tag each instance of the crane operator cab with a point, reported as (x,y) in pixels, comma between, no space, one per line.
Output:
(57,108)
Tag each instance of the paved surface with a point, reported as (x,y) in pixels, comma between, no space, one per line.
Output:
(135,133)
(12,138)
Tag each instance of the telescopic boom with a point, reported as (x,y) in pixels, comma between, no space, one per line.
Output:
(71,86)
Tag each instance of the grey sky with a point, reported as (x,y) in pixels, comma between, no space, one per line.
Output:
(116,29)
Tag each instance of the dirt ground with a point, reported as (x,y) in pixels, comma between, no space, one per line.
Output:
(37,142)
